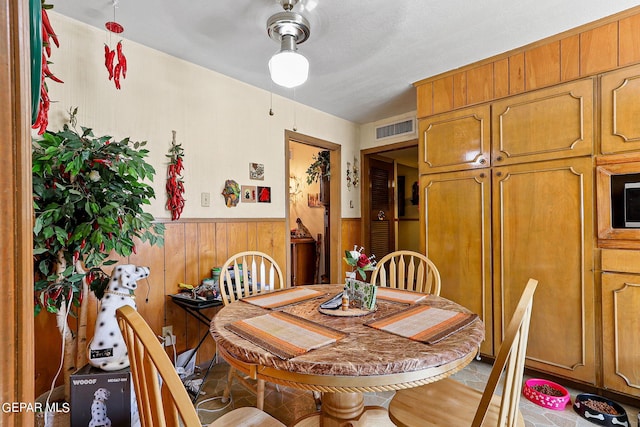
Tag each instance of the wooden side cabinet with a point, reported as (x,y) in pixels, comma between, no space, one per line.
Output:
(621,320)
(303,261)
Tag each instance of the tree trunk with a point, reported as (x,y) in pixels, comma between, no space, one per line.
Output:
(81,337)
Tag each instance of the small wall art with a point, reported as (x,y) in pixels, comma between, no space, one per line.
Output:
(264,195)
(248,193)
(256,171)
(313,200)
(231,193)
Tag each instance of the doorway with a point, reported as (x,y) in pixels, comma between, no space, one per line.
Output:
(403,214)
(319,210)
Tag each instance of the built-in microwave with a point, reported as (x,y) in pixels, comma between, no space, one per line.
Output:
(632,204)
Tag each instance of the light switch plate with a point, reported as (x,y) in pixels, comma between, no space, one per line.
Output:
(205,199)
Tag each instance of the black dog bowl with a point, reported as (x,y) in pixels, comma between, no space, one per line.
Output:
(600,410)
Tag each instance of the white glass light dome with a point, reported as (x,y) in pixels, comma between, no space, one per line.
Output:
(288,68)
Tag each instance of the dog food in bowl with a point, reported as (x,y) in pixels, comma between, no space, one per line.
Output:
(546,394)
(600,410)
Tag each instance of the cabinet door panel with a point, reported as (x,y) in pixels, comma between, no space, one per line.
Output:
(458,239)
(543,125)
(455,141)
(543,228)
(620,326)
(620,110)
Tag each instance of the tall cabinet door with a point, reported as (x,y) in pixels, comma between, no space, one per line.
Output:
(457,215)
(543,229)
(620,326)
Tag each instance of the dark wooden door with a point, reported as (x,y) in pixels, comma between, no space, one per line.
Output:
(381,203)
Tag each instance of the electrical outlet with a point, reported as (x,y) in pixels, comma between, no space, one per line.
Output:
(167,330)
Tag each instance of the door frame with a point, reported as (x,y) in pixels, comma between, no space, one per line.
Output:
(335,211)
(365,206)
(17,370)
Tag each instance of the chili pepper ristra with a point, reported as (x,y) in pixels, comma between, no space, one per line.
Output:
(175,184)
(48,36)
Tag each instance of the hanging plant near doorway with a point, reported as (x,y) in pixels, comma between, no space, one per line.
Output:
(320,168)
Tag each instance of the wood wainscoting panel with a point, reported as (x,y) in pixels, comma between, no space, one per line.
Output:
(192,247)
(352,235)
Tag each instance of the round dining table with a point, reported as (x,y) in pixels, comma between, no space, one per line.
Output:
(365,360)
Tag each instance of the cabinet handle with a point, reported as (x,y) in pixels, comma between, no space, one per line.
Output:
(499,158)
(482,175)
(483,161)
(498,173)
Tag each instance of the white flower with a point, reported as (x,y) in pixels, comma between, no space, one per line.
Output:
(94,176)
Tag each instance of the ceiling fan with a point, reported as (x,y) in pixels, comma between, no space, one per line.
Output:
(287,67)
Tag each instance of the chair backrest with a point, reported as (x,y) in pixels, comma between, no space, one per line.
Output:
(407,270)
(510,358)
(258,273)
(158,405)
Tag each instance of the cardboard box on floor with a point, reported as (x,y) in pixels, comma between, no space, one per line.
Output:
(89,386)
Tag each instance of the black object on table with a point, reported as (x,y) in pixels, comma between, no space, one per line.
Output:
(194,306)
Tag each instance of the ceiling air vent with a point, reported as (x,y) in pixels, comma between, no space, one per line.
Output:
(395,129)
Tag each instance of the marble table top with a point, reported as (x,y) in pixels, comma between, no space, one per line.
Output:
(364,352)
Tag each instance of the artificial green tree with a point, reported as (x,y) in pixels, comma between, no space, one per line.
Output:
(88,199)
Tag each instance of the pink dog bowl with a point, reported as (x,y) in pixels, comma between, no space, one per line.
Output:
(533,390)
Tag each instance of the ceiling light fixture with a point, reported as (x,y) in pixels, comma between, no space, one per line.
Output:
(288,68)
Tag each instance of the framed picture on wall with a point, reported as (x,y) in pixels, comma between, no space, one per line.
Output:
(256,171)
(248,194)
(264,195)
(313,200)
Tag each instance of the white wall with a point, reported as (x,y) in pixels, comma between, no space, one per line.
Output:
(222,124)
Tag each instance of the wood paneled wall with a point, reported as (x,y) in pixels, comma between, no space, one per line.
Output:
(191,249)
(351,234)
(584,51)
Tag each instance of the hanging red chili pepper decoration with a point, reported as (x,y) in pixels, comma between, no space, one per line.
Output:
(48,36)
(175,185)
(119,70)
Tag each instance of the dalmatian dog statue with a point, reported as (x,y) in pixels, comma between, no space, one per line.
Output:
(99,409)
(107,349)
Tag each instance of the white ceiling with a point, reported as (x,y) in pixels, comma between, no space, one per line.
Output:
(364,55)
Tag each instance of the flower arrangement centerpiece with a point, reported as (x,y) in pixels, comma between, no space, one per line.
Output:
(361,294)
(359,262)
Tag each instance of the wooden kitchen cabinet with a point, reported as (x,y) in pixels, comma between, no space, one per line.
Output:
(454,141)
(621,321)
(457,215)
(303,261)
(543,228)
(546,124)
(620,91)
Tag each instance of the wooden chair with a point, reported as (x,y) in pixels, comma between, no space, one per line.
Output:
(168,404)
(450,403)
(259,273)
(407,270)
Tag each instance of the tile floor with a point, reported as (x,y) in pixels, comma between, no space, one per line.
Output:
(289,404)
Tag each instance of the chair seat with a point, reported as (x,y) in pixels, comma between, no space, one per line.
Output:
(454,404)
(246,417)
